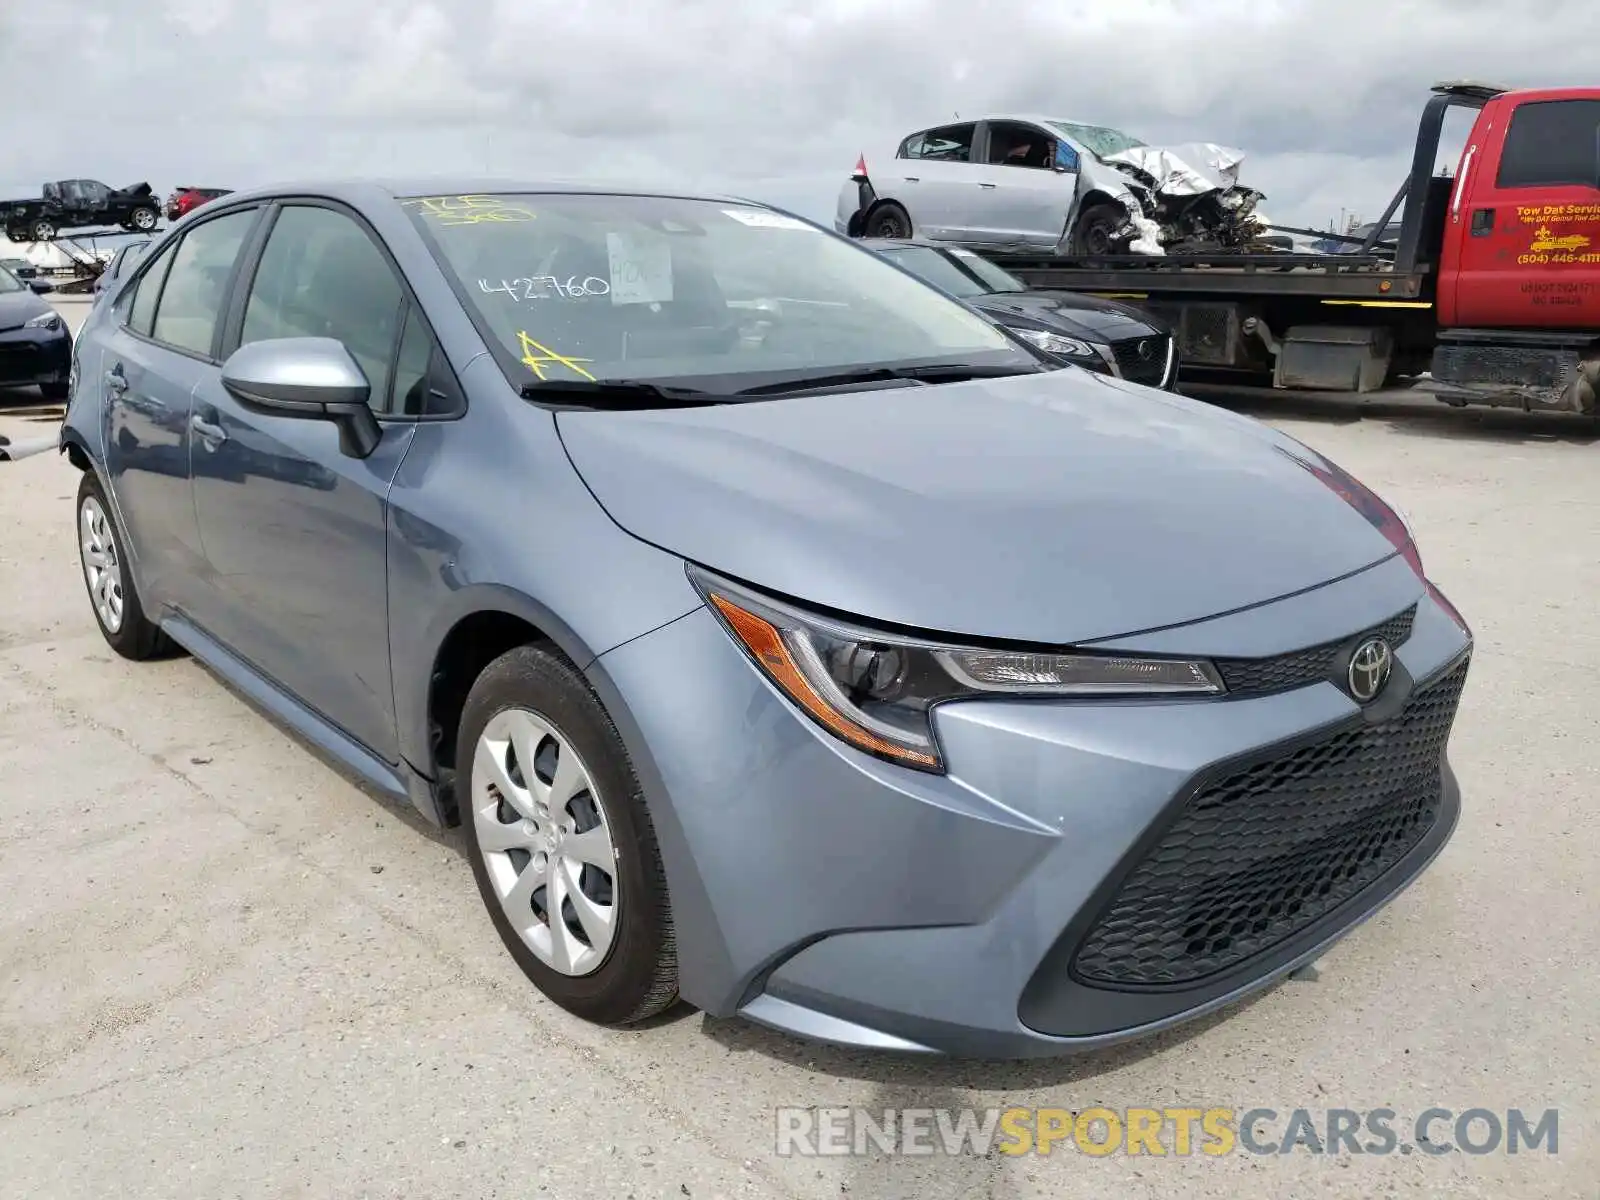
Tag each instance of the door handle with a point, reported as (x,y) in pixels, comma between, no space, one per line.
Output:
(212,435)
(986,185)
(912,179)
(116,381)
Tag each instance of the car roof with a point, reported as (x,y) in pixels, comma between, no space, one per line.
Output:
(371,190)
(1025,118)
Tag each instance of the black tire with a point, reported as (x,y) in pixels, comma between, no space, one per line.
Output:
(1093,234)
(135,636)
(43,231)
(56,393)
(143,220)
(638,977)
(889,220)
(19,233)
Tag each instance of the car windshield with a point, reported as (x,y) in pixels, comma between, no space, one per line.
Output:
(1100,139)
(9,282)
(996,279)
(596,287)
(935,266)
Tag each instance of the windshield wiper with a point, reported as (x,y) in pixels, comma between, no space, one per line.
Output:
(936,373)
(619,393)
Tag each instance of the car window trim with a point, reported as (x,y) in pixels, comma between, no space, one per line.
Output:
(251,259)
(169,255)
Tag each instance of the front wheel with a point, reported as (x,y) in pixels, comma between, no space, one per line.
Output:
(561,841)
(143,219)
(44,231)
(113,597)
(1095,232)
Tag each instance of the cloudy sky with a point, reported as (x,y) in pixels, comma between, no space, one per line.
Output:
(774,98)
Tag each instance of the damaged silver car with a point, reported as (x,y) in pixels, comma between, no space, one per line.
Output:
(1056,187)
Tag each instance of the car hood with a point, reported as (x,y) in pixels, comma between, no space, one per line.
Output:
(1054,508)
(1073,315)
(17,307)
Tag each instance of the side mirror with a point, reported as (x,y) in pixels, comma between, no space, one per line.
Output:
(309,378)
(41,286)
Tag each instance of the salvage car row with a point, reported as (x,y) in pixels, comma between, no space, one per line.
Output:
(656,539)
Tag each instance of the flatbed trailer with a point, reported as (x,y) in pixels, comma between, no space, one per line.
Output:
(1492,288)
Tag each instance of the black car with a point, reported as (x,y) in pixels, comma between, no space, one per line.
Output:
(35,343)
(1099,335)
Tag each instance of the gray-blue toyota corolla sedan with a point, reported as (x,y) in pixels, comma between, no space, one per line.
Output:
(783,635)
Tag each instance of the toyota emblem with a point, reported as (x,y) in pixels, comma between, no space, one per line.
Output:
(1369,669)
(1147,350)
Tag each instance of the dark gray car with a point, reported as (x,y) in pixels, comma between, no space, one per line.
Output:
(784,636)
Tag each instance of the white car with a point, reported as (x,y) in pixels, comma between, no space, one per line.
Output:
(1055,186)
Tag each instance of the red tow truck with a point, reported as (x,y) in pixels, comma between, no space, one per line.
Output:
(1492,288)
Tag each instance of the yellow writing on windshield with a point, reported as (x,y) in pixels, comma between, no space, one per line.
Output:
(536,357)
(469,210)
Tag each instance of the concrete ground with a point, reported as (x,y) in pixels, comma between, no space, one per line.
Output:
(226,972)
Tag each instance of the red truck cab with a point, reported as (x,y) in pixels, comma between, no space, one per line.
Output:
(1522,244)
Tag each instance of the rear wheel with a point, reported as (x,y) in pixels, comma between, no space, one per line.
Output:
(113,598)
(44,231)
(561,842)
(143,219)
(889,221)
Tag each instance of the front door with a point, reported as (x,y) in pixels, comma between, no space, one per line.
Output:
(1522,240)
(294,529)
(1026,186)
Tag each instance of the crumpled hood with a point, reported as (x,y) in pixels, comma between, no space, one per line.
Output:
(1191,169)
(1052,508)
(1073,315)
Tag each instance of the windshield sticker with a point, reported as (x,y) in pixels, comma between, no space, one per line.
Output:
(536,357)
(757,219)
(547,287)
(469,210)
(641,268)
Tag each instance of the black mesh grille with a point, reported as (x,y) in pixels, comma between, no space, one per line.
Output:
(1263,676)
(1258,856)
(1135,367)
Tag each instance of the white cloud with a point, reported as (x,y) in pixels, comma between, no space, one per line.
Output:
(775,98)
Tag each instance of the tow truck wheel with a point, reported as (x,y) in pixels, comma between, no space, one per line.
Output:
(43,231)
(144,219)
(1096,229)
(889,221)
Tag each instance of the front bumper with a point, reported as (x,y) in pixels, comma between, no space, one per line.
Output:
(833,896)
(32,356)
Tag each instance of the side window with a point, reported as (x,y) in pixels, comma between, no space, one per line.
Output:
(1550,143)
(321,276)
(191,300)
(1014,145)
(951,143)
(911,147)
(146,291)
(409,395)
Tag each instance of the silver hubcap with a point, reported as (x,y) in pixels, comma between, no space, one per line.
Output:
(101,568)
(545,840)
(143,219)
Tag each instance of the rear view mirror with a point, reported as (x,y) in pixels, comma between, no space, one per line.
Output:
(309,378)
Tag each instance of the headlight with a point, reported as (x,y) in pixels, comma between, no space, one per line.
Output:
(50,320)
(875,690)
(1055,343)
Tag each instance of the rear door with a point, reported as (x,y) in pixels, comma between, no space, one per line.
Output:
(294,529)
(1024,197)
(1522,242)
(160,345)
(934,176)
